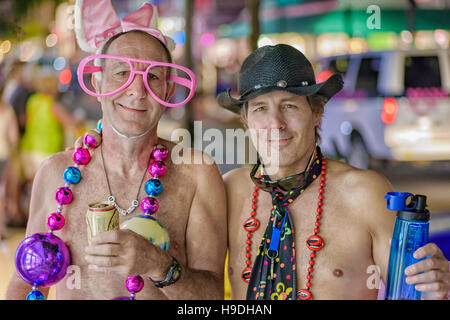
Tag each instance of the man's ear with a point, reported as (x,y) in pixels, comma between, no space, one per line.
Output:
(94,84)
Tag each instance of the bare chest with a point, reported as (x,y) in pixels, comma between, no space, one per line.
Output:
(342,261)
(173,213)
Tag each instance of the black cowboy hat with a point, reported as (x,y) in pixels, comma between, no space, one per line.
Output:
(279,67)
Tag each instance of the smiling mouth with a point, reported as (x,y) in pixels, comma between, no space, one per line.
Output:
(131,109)
(279,141)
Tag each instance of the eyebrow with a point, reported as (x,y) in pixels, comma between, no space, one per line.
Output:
(264,102)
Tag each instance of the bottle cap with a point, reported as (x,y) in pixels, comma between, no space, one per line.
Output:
(396,201)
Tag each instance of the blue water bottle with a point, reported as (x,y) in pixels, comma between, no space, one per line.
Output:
(410,233)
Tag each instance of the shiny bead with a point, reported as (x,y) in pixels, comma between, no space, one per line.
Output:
(308,284)
(72,175)
(149,205)
(55,221)
(160,153)
(251,224)
(35,295)
(99,126)
(322,184)
(312,255)
(248,262)
(153,187)
(63,195)
(323,172)
(42,259)
(248,248)
(318,217)
(309,277)
(310,269)
(304,294)
(321,190)
(316,230)
(81,156)
(254,206)
(317,223)
(315,243)
(248,255)
(157,168)
(134,284)
(311,262)
(256,188)
(319,210)
(255,194)
(253,213)
(320,203)
(246,273)
(254,200)
(322,178)
(92,139)
(320,197)
(249,241)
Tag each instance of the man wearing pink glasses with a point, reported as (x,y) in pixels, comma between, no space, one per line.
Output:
(132,77)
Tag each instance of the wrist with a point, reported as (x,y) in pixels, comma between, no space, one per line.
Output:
(172,275)
(159,272)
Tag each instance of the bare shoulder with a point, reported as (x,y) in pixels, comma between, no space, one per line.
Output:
(358,188)
(238,188)
(197,166)
(48,179)
(359,181)
(237,179)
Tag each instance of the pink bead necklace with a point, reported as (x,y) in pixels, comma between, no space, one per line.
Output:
(42,259)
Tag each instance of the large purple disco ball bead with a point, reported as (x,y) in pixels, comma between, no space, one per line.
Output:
(42,259)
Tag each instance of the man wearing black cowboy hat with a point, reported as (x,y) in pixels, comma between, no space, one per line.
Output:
(306,227)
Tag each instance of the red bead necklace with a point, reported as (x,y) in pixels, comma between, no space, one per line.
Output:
(314,243)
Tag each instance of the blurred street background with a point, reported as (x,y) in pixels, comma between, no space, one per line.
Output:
(393,114)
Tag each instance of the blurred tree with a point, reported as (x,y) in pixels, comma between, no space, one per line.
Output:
(12,14)
(253,9)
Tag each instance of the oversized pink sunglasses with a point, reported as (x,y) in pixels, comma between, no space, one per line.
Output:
(87,66)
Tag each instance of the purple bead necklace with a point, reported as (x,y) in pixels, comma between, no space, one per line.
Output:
(42,258)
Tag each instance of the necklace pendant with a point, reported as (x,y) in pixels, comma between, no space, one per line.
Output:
(134,205)
(251,224)
(246,274)
(315,243)
(304,294)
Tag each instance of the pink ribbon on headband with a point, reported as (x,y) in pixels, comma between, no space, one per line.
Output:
(96,21)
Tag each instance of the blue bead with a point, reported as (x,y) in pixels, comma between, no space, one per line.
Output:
(35,295)
(99,126)
(72,175)
(153,187)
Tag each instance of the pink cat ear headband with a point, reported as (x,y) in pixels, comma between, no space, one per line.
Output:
(96,21)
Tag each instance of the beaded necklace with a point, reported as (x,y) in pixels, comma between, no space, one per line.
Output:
(42,258)
(314,243)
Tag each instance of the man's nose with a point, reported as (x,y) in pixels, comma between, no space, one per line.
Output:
(137,87)
(276,120)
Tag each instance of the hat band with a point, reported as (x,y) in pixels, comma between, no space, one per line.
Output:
(280,84)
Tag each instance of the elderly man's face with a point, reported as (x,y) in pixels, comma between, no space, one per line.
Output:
(133,111)
(284,124)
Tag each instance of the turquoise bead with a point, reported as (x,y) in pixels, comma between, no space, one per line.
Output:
(153,187)
(35,295)
(99,126)
(72,175)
